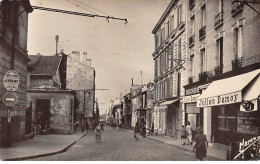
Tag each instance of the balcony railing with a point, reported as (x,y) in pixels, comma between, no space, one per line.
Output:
(192,40)
(237,64)
(202,32)
(191,4)
(236,8)
(219,20)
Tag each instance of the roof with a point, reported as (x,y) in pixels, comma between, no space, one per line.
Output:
(44,65)
(165,14)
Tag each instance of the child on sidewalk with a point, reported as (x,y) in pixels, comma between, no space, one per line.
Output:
(183,135)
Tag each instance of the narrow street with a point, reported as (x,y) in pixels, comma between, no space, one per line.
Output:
(120,145)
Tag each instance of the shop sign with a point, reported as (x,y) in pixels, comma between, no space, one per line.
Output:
(190,99)
(220,100)
(192,91)
(248,106)
(11,80)
(245,144)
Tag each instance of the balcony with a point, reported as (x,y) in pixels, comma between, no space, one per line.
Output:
(237,64)
(192,40)
(202,33)
(191,4)
(236,8)
(219,20)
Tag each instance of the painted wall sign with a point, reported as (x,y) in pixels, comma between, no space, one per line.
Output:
(220,100)
(11,80)
(190,99)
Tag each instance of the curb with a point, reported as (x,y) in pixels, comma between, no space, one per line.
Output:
(44,154)
(208,155)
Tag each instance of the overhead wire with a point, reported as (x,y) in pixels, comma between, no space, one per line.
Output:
(92,8)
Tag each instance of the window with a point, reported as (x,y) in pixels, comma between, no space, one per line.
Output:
(238,42)
(167,29)
(163,35)
(203,15)
(179,85)
(171,55)
(166,58)
(192,25)
(179,49)
(156,67)
(220,54)
(202,61)
(179,19)
(191,65)
(156,41)
(171,24)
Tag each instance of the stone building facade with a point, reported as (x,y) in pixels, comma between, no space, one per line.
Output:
(15,130)
(169,69)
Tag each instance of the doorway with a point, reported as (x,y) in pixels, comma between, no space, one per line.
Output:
(43,115)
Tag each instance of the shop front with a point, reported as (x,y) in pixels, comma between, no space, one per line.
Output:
(171,107)
(234,103)
(193,114)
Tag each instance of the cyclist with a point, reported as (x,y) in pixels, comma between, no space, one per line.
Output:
(98,133)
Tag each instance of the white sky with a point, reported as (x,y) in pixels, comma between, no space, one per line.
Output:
(118,51)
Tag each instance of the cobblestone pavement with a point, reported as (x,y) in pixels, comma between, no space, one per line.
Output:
(119,145)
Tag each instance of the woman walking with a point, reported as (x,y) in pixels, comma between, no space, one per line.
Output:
(200,144)
(189,133)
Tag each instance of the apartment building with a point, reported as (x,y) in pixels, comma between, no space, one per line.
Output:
(223,69)
(169,72)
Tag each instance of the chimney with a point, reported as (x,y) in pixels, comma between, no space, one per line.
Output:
(132,81)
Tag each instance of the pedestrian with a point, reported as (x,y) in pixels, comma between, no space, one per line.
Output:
(200,144)
(136,130)
(183,135)
(87,126)
(189,133)
(102,126)
(152,130)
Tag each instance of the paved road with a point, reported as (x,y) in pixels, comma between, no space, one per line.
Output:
(119,145)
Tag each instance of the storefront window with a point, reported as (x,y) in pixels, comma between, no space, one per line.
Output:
(222,124)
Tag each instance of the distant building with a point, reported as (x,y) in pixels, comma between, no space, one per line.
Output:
(80,78)
(14,130)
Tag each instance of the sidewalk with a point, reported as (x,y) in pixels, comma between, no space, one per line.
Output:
(39,146)
(215,153)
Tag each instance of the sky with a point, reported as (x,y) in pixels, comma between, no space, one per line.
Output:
(118,51)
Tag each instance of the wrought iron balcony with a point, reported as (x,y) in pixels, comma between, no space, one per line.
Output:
(237,64)
(236,8)
(219,20)
(202,32)
(192,40)
(191,4)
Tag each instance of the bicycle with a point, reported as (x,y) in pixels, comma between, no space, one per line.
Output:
(98,137)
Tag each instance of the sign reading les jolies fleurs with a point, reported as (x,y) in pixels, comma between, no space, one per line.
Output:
(220,100)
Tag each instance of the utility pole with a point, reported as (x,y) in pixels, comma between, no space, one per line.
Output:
(57,40)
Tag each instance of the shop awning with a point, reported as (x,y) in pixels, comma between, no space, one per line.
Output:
(169,102)
(226,91)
